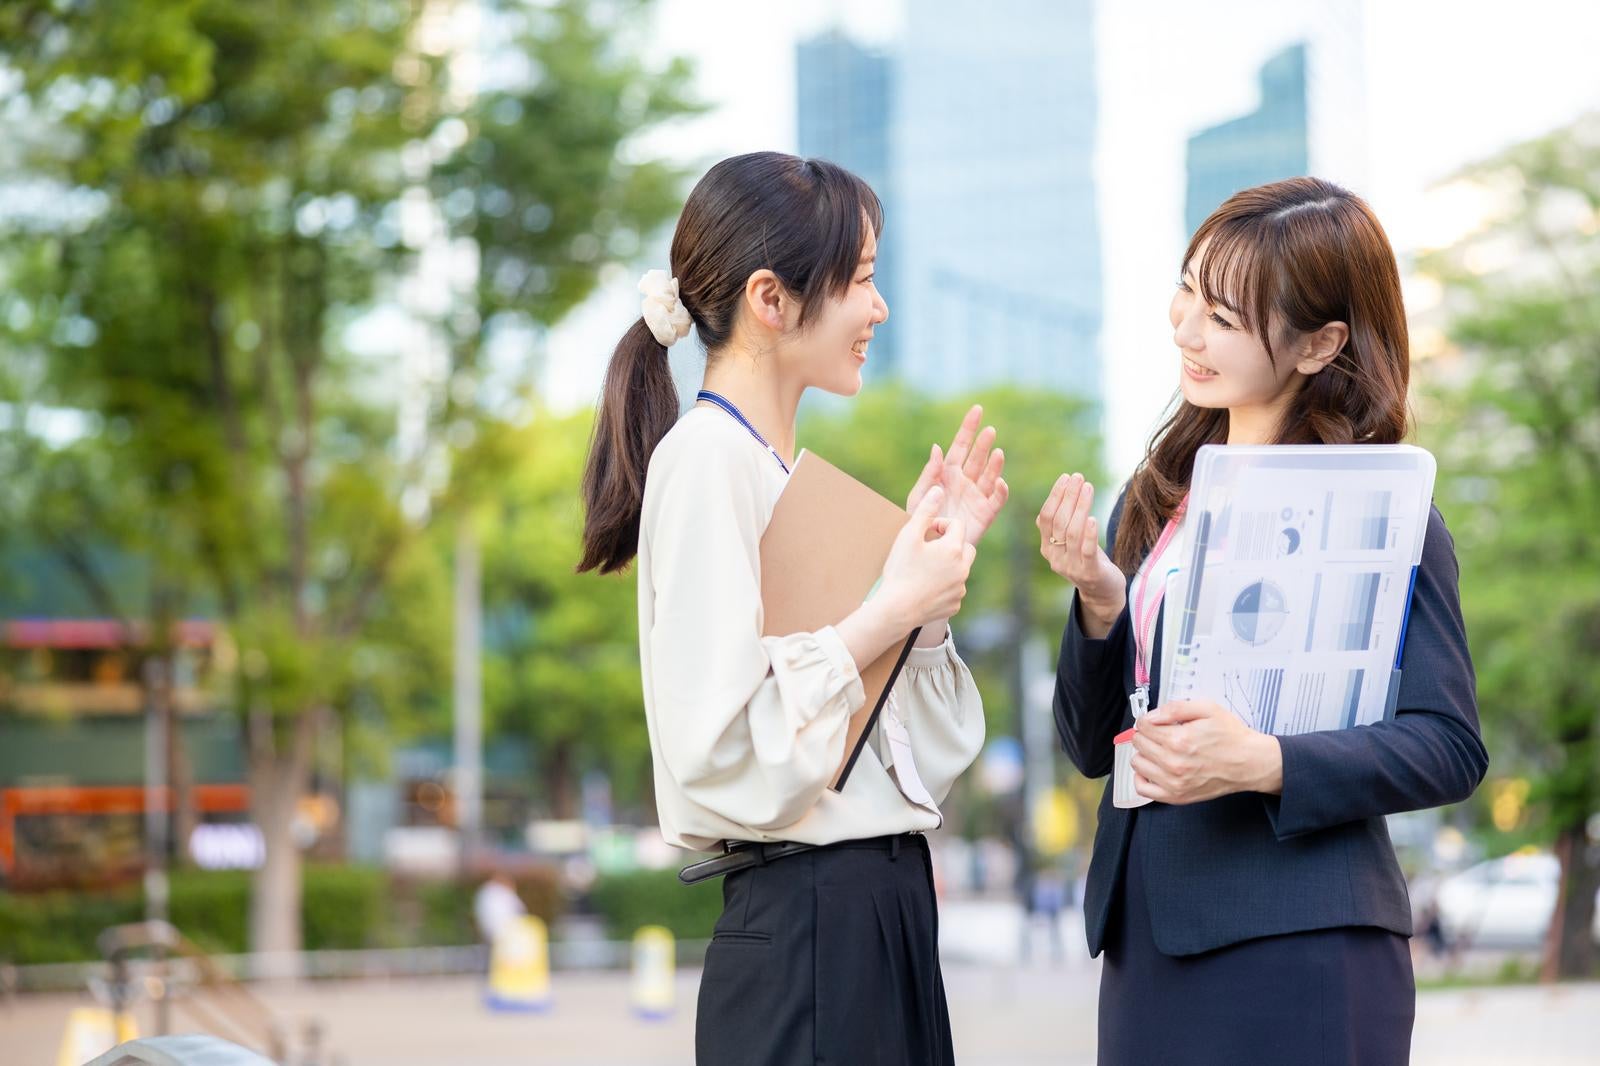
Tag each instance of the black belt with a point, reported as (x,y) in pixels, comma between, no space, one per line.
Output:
(741,855)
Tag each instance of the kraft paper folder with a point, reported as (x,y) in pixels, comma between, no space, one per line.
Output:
(821,555)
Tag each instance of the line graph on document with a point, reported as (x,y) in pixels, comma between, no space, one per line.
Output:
(1253,696)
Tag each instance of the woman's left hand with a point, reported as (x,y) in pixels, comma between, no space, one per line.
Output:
(1189,751)
(970,473)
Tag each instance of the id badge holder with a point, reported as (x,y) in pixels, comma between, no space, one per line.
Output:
(1122,790)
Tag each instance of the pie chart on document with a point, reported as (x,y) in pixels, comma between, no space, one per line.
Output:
(1259,612)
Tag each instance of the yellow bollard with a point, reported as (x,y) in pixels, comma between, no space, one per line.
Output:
(519,967)
(1055,822)
(91,1032)
(655,961)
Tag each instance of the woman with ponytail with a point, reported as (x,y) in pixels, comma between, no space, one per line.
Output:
(827,948)
(1255,912)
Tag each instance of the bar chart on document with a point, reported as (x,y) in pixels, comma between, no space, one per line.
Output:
(1297,581)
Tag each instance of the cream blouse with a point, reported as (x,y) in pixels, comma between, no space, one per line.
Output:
(746,731)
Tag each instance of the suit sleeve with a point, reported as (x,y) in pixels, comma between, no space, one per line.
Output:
(1090,698)
(1429,755)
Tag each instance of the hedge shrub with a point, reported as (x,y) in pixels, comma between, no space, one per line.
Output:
(341,907)
(656,897)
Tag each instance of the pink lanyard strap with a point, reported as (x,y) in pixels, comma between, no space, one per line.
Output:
(1144,622)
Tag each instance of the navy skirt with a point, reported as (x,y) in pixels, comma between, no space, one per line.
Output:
(828,956)
(1329,997)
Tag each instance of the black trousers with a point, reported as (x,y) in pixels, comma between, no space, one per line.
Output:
(830,956)
(1328,997)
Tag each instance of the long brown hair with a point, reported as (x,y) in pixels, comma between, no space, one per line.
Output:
(1292,256)
(803,219)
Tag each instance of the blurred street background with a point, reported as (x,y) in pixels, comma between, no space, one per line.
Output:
(1000,1016)
(304,309)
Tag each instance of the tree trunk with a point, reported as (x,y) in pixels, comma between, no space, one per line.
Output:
(180,774)
(1569,944)
(275,888)
(563,786)
(279,775)
(647,795)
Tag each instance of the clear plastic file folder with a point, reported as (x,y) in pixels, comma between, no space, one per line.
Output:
(1296,582)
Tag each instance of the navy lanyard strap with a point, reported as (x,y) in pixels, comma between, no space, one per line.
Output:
(723,403)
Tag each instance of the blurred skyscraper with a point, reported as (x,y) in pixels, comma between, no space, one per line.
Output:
(1270,143)
(994,261)
(993,166)
(843,95)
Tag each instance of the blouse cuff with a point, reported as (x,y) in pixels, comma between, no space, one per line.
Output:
(819,670)
(943,654)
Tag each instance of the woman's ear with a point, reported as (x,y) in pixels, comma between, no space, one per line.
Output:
(766,299)
(1321,346)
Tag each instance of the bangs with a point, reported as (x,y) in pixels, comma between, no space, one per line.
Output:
(1236,271)
(845,207)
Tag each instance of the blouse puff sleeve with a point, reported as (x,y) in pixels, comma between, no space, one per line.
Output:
(944,716)
(752,728)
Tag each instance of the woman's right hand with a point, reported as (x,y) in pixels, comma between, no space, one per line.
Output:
(1070,542)
(925,576)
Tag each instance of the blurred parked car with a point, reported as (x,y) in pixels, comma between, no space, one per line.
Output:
(1503,903)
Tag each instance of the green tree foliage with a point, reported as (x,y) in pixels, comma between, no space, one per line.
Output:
(231,187)
(1518,438)
(883,438)
(539,184)
(561,649)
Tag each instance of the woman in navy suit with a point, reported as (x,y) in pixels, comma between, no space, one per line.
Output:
(1255,912)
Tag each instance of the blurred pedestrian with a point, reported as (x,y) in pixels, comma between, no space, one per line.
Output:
(495,906)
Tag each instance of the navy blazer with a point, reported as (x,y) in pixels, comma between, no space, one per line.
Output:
(1317,856)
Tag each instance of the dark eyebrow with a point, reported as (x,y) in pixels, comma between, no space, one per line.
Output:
(1194,283)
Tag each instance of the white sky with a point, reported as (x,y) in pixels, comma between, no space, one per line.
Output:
(1444,84)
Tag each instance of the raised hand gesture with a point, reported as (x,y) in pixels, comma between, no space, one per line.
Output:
(969,472)
(1069,540)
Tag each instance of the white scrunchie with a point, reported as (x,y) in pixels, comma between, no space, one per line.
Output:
(663,312)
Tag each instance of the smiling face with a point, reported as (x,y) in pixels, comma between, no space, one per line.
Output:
(831,350)
(1223,364)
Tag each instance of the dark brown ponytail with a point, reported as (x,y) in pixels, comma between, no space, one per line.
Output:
(806,220)
(638,404)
